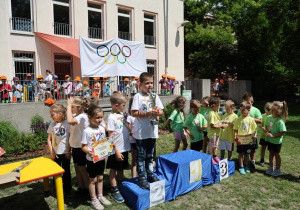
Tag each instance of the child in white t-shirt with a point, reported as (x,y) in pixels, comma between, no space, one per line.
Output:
(146,107)
(117,127)
(41,88)
(58,143)
(130,121)
(95,132)
(78,121)
(67,86)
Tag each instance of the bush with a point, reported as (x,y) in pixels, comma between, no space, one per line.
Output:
(163,119)
(39,127)
(7,131)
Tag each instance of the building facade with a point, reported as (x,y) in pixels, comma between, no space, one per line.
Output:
(22,51)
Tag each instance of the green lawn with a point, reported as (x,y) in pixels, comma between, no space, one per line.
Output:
(251,191)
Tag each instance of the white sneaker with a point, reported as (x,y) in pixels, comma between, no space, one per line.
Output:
(104,201)
(276,172)
(269,171)
(97,205)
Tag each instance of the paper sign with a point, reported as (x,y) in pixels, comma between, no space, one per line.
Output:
(102,149)
(223,166)
(157,193)
(187,94)
(245,140)
(195,170)
(2,152)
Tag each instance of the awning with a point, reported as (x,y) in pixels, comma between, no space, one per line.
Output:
(67,44)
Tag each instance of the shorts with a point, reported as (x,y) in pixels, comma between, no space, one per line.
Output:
(79,156)
(244,148)
(112,162)
(205,133)
(197,145)
(254,145)
(226,145)
(214,141)
(274,147)
(179,135)
(133,146)
(263,142)
(95,169)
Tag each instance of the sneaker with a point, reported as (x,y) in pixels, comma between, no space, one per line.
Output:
(96,205)
(152,178)
(247,170)
(262,162)
(298,180)
(104,201)
(242,171)
(276,172)
(142,182)
(252,164)
(216,159)
(116,195)
(269,171)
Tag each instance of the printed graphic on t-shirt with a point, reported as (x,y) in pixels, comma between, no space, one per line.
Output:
(245,126)
(98,136)
(59,131)
(146,105)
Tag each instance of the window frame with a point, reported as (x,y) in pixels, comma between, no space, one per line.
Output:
(33,60)
(154,28)
(130,16)
(102,17)
(31,18)
(55,2)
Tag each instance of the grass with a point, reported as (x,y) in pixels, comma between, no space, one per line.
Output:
(251,191)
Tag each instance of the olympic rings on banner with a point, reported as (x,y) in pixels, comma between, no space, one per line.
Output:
(115,50)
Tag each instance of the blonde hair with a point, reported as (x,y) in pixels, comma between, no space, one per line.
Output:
(82,103)
(195,104)
(117,98)
(179,103)
(59,108)
(268,106)
(230,103)
(282,109)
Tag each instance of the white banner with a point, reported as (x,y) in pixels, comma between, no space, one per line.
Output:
(157,193)
(195,170)
(115,57)
(223,166)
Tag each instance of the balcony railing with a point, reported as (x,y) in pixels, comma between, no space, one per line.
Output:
(149,40)
(125,35)
(95,33)
(62,29)
(21,24)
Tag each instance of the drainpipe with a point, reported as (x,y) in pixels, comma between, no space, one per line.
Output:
(166,10)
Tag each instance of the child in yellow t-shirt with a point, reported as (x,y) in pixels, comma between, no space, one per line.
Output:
(227,134)
(214,124)
(262,134)
(244,134)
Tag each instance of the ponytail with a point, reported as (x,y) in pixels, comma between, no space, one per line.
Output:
(285,111)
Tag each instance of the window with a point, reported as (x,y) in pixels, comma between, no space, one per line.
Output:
(124,27)
(61,17)
(151,69)
(24,64)
(62,65)
(149,30)
(95,30)
(21,16)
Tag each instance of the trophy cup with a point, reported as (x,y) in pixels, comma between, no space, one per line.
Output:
(153,120)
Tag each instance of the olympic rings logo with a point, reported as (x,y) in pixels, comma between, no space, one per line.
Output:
(116,51)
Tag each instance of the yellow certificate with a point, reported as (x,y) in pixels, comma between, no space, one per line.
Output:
(245,140)
(102,149)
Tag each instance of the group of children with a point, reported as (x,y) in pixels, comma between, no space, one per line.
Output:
(74,129)
(204,126)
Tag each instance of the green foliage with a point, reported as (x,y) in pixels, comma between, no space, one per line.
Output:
(168,109)
(35,120)
(7,131)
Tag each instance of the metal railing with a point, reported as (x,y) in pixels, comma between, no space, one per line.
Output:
(21,24)
(150,40)
(62,29)
(33,91)
(125,35)
(95,33)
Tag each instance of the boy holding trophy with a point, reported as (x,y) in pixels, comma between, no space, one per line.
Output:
(146,107)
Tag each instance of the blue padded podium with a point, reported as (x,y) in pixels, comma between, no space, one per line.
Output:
(175,168)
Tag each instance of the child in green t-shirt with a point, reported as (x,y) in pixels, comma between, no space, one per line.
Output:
(194,126)
(214,124)
(227,134)
(262,135)
(274,128)
(175,123)
(244,134)
(204,110)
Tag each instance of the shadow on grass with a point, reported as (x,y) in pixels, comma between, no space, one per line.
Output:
(287,177)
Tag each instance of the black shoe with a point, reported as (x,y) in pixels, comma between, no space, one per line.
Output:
(143,183)
(152,178)
(252,165)
(298,180)
(68,193)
